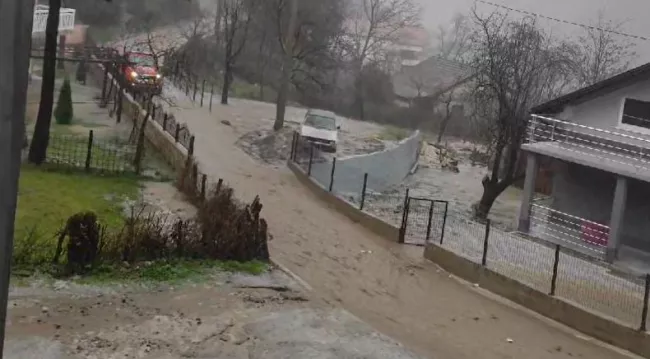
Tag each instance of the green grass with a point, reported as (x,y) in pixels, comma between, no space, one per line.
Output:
(392,133)
(172,271)
(46,199)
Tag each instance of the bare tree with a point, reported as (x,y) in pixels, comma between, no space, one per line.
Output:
(446,100)
(600,53)
(237,16)
(287,44)
(41,137)
(308,32)
(373,26)
(516,65)
(454,41)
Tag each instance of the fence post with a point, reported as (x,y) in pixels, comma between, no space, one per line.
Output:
(556,263)
(187,86)
(363,191)
(195,177)
(332,174)
(195,90)
(429,222)
(444,223)
(219,184)
(293,146)
(190,150)
(202,92)
(89,152)
(204,179)
(311,158)
(153,112)
(104,82)
(120,105)
(211,94)
(177,133)
(405,216)
(644,312)
(164,124)
(485,242)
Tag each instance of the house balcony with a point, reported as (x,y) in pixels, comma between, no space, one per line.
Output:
(615,152)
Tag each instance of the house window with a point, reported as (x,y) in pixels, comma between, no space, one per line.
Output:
(636,113)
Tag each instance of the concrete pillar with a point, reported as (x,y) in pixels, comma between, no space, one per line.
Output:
(616,219)
(532,168)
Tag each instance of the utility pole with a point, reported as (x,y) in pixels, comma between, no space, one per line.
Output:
(16,18)
(287,67)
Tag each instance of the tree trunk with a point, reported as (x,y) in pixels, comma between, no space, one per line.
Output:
(287,67)
(40,139)
(262,65)
(491,190)
(443,128)
(227,75)
(281,101)
(62,45)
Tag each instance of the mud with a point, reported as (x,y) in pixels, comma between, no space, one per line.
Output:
(231,316)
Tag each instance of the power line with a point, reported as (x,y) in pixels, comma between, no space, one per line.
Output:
(637,37)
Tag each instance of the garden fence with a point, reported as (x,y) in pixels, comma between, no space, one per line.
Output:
(92,154)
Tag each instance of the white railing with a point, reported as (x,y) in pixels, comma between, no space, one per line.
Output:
(66,19)
(563,228)
(611,145)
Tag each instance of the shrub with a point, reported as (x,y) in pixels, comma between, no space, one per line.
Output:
(64,112)
(84,235)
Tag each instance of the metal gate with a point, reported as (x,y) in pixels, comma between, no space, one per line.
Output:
(422,219)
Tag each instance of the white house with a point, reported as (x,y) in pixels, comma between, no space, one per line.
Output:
(597,142)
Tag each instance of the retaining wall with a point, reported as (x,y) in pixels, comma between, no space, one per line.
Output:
(386,168)
(570,314)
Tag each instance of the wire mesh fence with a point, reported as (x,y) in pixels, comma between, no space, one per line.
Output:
(111,155)
(552,269)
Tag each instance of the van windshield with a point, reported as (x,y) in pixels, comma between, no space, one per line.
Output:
(142,60)
(320,122)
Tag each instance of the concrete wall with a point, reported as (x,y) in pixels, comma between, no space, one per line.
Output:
(385,168)
(588,193)
(372,223)
(564,312)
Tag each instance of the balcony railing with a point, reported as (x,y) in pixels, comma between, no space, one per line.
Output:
(568,230)
(66,19)
(591,141)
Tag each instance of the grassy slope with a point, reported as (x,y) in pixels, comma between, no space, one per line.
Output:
(46,199)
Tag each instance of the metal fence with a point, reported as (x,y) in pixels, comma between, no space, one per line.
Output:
(413,216)
(553,269)
(92,154)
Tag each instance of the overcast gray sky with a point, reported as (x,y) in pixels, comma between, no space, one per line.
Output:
(635,12)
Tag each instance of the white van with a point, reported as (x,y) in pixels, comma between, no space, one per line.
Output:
(320,128)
